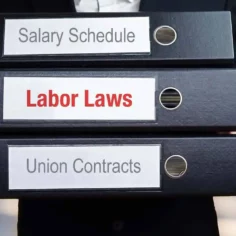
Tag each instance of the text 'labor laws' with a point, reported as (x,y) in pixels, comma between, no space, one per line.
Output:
(52,99)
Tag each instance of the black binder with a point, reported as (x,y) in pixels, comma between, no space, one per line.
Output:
(115,100)
(104,98)
(148,39)
(117,166)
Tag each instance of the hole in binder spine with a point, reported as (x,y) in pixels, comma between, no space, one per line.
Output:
(175,166)
(170,98)
(165,35)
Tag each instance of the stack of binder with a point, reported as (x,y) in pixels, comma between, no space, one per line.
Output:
(117,104)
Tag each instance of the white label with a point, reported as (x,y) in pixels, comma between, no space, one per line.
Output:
(77,36)
(84,167)
(62,98)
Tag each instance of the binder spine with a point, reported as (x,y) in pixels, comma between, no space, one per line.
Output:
(149,39)
(178,166)
(125,100)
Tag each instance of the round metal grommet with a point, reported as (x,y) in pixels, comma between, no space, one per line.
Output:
(170,98)
(165,35)
(176,166)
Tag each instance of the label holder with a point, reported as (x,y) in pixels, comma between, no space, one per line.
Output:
(92,55)
(83,121)
(91,190)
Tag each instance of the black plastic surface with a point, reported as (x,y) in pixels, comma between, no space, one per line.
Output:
(204,38)
(183,5)
(211,166)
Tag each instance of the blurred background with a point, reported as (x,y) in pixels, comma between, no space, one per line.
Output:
(225,208)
